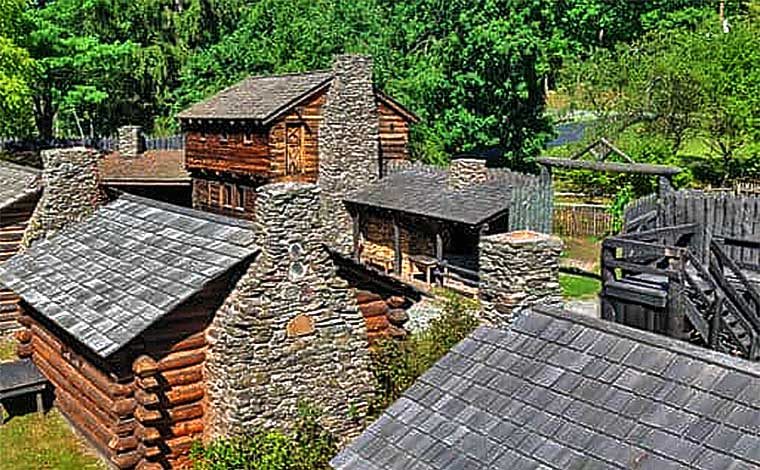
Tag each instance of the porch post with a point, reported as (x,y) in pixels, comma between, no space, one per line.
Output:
(439,252)
(356,219)
(396,246)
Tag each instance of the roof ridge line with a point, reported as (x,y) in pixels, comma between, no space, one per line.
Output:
(222,219)
(653,339)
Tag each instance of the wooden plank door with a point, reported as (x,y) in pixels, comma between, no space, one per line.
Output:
(294,148)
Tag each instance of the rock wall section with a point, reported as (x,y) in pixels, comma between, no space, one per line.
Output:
(349,148)
(290,331)
(517,271)
(71,191)
(465,172)
(130,141)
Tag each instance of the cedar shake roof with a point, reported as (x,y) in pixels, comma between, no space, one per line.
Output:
(265,98)
(151,166)
(107,279)
(259,98)
(564,391)
(17,182)
(425,191)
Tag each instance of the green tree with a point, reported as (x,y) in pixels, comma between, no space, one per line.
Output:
(16,72)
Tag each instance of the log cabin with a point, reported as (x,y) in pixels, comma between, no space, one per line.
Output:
(423,224)
(265,130)
(115,311)
(20,189)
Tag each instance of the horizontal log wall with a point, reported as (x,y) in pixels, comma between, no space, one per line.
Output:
(394,134)
(171,384)
(377,235)
(13,222)
(207,196)
(309,116)
(86,393)
(244,151)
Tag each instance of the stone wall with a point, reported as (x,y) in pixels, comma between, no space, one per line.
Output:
(291,329)
(130,141)
(349,152)
(71,191)
(464,172)
(517,271)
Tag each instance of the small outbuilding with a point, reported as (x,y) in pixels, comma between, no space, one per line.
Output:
(425,223)
(115,310)
(560,390)
(20,189)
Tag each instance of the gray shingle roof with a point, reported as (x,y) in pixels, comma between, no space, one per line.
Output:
(258,98)
(562,391)
(17,182)
(425,192)
(134,260)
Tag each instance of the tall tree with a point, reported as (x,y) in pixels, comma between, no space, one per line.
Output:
(16,72)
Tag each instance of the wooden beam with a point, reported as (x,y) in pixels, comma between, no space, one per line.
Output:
(396,246)
(356,219)
(610,167)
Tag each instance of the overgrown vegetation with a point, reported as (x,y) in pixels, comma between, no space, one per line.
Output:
(579,287)
(308,447)
(43,443)
(397,364)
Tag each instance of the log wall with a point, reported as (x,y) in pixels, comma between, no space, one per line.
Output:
(377,246)
(145,406)
(13,222)
(240,148)
(207,196)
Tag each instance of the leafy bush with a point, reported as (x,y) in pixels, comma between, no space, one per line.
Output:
(309,447)
(397,364)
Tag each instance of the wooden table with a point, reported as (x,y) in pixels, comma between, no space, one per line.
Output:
(21,378)
(426,264)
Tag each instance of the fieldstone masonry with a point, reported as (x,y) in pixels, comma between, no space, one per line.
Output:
(464,172)
(71,191)
(349,143)
(130,141)
(517,271)
(290,330)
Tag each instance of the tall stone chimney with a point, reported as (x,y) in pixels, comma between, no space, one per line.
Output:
(290,331)
(349,142)
(464,172)
(71,191)
(130,141)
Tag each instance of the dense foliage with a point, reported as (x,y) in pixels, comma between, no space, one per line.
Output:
(397,364)
(475,71)
(308,447)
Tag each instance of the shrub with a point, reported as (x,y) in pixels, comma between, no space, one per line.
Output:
(397,364)
(308,447)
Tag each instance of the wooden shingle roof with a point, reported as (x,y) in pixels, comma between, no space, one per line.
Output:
(259,98)
(265,98)
(425,192)
(560,391)
(17,182)
(107,279)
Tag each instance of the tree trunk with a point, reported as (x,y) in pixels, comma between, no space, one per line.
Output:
(44,115)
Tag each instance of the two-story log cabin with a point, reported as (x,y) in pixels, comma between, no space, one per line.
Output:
(266,130)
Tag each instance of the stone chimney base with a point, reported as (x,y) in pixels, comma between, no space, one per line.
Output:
(518,270)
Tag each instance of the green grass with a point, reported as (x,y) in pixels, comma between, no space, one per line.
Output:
(43,443)
(579,287)
(7,349)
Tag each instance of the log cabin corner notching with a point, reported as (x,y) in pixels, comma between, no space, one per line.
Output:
(20,189)
(115,311)
(266,130)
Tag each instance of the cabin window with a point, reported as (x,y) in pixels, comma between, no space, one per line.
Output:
(294,148)
(248,138)
(231,196)
(224,138)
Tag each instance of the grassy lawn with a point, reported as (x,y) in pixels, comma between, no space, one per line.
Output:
(579,287)
(7,349)
(43,443)
(34,442)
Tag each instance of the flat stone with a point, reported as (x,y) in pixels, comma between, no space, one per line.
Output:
(301,325)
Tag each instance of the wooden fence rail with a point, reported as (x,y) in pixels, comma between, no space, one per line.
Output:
(582,220)
(173,142)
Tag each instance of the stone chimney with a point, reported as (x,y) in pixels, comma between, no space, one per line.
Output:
(130,141)
(349,142)
(71,191)
(518,270)
(290,331)
(464,172)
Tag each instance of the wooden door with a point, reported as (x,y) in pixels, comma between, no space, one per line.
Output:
(294,149)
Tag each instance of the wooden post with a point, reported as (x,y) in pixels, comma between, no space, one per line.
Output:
(356,219)
(396,246)
(664,186)
(715,323)
(608,275)
(439,253)
(40,406)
